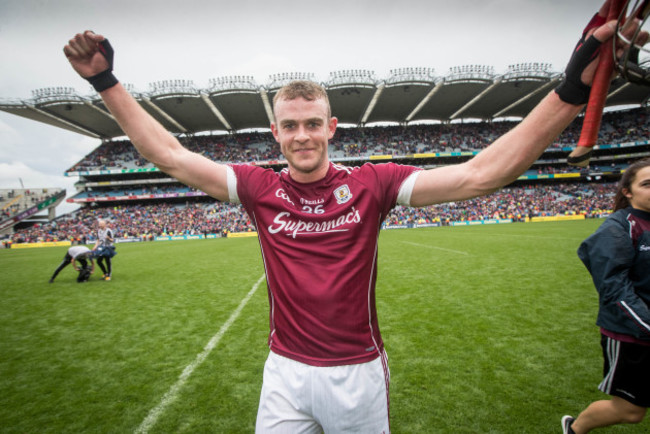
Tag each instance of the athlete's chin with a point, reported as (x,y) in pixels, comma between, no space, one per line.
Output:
(307,165)
(306,168)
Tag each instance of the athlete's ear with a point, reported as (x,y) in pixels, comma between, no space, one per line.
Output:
(274,130)
(332,126)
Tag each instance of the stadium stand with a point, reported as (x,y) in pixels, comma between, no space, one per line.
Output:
(144,203)
(19,206)
(434,120)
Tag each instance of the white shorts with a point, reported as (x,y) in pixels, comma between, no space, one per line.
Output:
(297,398)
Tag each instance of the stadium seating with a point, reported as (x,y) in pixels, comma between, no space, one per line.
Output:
(119,185)
(18,205)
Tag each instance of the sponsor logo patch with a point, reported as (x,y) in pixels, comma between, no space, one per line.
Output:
(342,194)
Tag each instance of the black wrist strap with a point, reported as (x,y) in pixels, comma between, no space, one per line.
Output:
(573,92)
(102,81)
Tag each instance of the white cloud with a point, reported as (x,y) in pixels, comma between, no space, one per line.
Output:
(12,173)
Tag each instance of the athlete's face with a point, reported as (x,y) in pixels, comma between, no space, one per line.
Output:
(303,128)
(639,192)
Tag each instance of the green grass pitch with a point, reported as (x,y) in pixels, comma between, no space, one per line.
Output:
(488,329)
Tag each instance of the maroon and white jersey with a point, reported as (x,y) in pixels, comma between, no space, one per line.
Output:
(319,247)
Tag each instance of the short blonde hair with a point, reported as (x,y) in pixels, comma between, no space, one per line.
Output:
(302,89)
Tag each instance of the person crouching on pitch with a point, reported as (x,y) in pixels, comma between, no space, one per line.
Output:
(77,253)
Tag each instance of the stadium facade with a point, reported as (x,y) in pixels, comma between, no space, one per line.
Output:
(413,100)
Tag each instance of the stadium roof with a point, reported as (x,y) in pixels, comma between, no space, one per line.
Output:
(357,97)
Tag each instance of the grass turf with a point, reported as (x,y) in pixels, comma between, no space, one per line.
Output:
(488,329)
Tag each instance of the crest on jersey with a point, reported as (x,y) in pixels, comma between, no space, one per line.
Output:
(342,194)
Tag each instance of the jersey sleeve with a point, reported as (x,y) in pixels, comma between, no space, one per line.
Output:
(405,191)
(392,183)
(241,183)
(246,182)
(231,180)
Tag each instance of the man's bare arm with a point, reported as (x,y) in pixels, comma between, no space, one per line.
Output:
(157,145)
(509,156)
(500,163)
(149,137)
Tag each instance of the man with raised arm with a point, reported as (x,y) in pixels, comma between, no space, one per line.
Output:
(318,226)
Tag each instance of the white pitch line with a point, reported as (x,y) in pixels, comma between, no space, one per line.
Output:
(172,393)
(437,248)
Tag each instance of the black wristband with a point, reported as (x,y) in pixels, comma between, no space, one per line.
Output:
(103,80)
(573,92)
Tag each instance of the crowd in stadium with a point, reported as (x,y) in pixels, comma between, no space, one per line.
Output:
(516,203)
(13,202)
(617,127)
(140,221)
(148,221)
